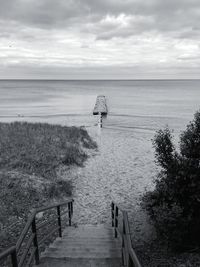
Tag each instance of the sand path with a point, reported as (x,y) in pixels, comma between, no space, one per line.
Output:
(120,170)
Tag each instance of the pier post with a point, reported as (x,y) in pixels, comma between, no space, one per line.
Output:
(100,123)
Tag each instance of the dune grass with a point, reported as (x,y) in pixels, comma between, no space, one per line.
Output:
(40,148)
(31,155)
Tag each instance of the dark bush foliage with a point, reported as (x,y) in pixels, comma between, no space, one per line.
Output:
(174,205)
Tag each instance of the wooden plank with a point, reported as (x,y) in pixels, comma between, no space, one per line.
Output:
(100,107)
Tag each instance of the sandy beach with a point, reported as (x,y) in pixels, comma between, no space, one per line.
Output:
(110,175)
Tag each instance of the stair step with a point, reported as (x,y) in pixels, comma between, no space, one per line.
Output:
(89,230)
(82,245)
(85,234)
(49,262)
(83,255)
(88,240)
(82,248)
(88,235)
(87,246)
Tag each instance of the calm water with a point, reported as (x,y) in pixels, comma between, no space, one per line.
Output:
(123,168)
(143,105)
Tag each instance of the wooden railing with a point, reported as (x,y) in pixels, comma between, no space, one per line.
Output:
(28,244)
(129,258)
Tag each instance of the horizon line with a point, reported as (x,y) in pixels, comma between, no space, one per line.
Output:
(46,79)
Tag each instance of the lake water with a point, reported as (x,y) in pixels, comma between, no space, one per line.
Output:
(138,105)
(123,168)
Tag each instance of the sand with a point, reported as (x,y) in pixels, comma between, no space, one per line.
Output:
(121,170)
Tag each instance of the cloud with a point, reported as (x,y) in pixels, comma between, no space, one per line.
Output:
(106,33)
(121,26)
(161,17)
(168,15)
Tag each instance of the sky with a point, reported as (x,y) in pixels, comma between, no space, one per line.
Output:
(99,39)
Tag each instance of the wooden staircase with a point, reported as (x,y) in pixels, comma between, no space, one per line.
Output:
(82,246)
(85,245)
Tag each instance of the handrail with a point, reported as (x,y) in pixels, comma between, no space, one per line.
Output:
(25,230)
(129,257)
(33,239)
(10,252)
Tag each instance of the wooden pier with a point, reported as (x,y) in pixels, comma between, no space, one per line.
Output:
(100,107)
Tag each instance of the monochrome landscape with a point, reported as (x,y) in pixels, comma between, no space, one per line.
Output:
(56,57)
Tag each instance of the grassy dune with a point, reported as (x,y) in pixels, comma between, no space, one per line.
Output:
(31,156)
(41,148)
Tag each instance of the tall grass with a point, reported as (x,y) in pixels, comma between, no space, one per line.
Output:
(31,155)
(40,148)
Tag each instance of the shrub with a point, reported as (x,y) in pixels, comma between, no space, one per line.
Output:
(174,204)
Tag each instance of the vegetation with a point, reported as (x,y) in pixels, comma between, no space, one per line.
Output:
(31,157)
(41,148)
(174,204)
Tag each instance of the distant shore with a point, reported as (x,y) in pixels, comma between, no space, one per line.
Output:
(33,160)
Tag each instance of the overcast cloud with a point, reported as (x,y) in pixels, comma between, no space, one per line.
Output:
(108,38)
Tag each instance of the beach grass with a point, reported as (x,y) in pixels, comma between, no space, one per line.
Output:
(40,148)
(31,156)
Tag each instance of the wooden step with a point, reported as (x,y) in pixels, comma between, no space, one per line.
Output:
(80,263)
(86,243)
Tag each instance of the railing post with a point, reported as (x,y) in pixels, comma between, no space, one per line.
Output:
(130,262)
(71,208)
(116,220)
(112,213)
(14,258)
(123,245)
(35,242)
(69,214)
(59,221)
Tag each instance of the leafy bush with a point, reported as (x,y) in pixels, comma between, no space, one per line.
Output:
(174,205)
